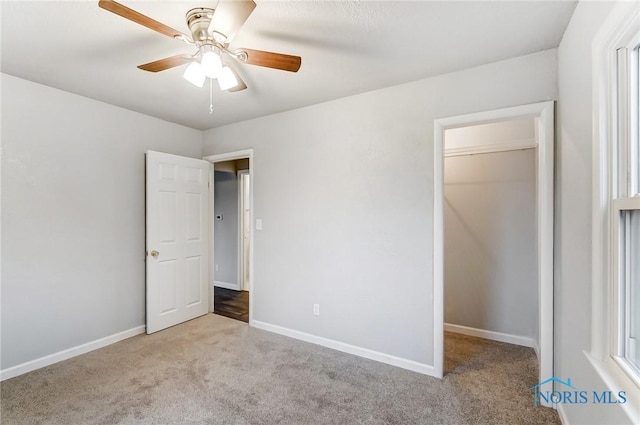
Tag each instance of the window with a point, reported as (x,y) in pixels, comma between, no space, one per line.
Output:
(625,217)
(615,330)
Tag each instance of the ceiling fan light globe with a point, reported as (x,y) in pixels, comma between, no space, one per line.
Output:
(211,64)
(227,79)
(195,74)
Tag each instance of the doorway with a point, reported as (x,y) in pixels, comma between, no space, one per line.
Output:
(542,116)
(490,282)
(244,192)
(231,235)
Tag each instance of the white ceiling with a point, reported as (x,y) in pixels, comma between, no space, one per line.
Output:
(347,47)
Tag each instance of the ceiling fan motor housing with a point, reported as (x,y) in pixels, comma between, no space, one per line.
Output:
(198,20)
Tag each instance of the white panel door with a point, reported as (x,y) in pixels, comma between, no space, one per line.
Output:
(177,239)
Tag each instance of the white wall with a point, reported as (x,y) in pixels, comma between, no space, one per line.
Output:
(573,214)
(490,275)
(345,191)
(226,230)
(73,217)
(496,133)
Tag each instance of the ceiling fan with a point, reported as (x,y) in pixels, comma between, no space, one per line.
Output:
(211,32)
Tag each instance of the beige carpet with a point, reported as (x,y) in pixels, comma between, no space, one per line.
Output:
(215,370)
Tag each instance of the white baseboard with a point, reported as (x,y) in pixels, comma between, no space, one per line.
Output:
(226,285)
(348,348)
(495,336)
(32,365)
(536,349)
(562,414)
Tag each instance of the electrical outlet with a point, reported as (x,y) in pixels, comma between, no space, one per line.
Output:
(316,309)
(217,268)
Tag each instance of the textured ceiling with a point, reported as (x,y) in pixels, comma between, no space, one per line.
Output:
(347,47)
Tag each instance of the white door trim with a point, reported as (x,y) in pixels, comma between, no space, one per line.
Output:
(241,226)
(544,114)
(230,156)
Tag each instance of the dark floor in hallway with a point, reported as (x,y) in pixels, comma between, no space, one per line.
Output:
(232,304)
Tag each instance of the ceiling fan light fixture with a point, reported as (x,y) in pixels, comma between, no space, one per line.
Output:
(195,74)
(211,61)
(227,79)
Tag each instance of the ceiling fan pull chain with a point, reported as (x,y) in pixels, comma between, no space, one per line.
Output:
(210,96)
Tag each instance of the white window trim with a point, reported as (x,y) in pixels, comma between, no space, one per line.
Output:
(622,24)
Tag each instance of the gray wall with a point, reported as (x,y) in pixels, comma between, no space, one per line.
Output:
(572,279)
(73,236)
(345,191)
(226,231)
(490,242)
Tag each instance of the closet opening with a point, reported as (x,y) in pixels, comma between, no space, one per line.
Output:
(490,273)
(493,238)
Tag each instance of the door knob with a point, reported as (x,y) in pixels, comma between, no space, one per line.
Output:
(155,253)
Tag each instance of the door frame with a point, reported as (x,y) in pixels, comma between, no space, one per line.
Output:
(543,113)
(241,225)
(230,156)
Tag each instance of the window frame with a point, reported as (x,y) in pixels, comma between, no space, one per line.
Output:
(621,29)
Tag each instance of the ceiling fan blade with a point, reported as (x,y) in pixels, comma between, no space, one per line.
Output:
(229,17)
(269,59)
(166,63)
(139,18)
